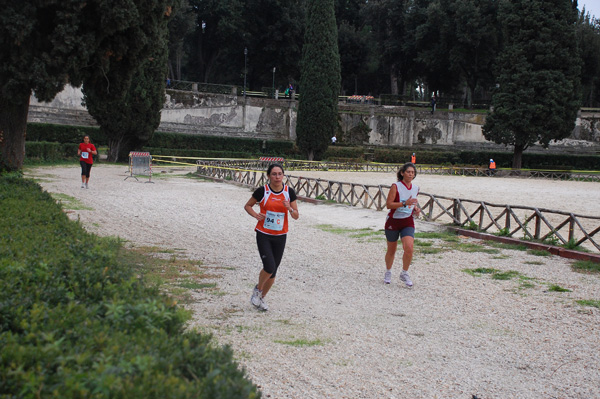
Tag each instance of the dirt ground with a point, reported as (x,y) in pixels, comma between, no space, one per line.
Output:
(334,330)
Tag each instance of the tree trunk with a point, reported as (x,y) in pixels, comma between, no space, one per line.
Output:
(518,156)
(170,73)
(13,127)
(470,93)
(311,155)
(394,80)
(179,56)
(114,145)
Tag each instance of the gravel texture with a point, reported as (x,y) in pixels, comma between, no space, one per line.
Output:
(334,330)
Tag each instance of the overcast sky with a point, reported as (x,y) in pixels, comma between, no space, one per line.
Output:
(591,6)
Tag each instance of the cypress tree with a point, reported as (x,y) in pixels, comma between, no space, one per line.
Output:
(537,98)
(129,114)
(320,80)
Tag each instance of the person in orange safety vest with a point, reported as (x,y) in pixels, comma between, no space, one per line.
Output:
(492,167)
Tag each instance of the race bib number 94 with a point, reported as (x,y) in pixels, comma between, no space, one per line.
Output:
(274,221)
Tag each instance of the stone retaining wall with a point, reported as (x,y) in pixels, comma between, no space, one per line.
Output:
(227,115)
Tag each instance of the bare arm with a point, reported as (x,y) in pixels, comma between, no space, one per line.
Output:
(292,207)
(248,207)
(390,202)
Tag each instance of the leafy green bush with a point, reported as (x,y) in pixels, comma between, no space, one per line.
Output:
(64,133)
(338,152)
(199,153)
(46,151)
(481,158)
(423,157)
(220,143)
(75,321)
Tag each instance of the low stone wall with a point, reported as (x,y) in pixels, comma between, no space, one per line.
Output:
(235,116)
(60,116)
(224,116)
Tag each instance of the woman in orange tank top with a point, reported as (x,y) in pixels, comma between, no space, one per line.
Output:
(276,200)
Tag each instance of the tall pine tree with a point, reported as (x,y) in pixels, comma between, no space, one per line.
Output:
(537,75)
(320,80)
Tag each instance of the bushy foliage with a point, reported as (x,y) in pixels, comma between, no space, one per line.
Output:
(538,92)
(46,151)
(220,143)
(162,143)
(64,133)
(481,158)
(344,152)
(199,153)
(423,157)
(75,322)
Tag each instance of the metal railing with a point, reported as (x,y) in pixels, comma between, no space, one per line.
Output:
(383,99)
(556,227)
(200,87)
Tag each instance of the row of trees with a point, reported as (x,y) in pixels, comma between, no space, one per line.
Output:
(386,46)
(533,57)
(528,54)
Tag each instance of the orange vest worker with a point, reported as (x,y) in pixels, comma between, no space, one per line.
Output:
(413,158)
(492,164)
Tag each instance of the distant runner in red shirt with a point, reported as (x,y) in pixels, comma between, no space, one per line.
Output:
(85,152)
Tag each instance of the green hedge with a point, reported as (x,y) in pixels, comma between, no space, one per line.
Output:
(423,157)
(220,143)
(237,147)
(64,133)
(339,152)
(199,153)
(481,158)
(76,323)
(45,151)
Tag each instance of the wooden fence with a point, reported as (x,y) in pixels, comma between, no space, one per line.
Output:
(555,227)
(295,165)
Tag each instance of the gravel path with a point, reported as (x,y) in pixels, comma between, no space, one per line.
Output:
(334,330)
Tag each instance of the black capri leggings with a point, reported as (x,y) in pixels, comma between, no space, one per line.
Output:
(270,249)
(85,168)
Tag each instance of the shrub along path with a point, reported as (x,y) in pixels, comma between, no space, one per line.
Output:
(76,323)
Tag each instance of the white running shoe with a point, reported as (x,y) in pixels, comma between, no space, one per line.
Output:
(82,185)
(263,305)
(387,278)
(86,186)
(256,298)
(404,277)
